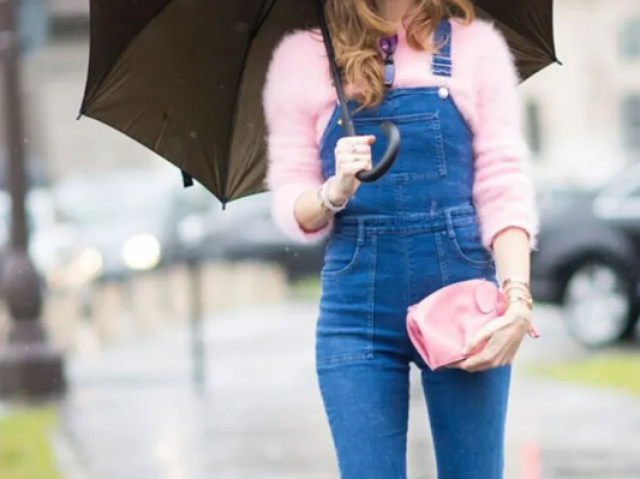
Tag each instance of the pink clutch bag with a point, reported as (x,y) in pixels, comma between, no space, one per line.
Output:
(441,324)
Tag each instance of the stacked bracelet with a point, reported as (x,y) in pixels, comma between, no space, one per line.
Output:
(325,203)
(515,283)
(518,291)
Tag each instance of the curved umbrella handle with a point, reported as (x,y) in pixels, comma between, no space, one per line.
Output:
(392,134)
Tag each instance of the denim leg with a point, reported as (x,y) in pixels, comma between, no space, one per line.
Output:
(467,412)
(367,405)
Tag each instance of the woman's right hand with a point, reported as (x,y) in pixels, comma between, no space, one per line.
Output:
(353,154)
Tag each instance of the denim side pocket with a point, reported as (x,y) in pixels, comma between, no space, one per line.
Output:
(342,252)
(465,240)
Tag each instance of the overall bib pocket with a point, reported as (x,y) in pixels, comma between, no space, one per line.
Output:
(428,151)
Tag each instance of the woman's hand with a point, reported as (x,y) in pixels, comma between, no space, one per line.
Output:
(353,154)
(502,338)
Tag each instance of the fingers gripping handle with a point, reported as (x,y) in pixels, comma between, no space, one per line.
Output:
(392,134)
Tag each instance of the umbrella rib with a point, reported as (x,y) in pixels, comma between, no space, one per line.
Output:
(548,49)
(263,19)
(234,117)
(88,95)
(160,137)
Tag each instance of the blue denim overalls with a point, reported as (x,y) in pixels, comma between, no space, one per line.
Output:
(400,239)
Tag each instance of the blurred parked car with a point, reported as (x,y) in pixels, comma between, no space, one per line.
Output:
(48,238)
(588,258)
(190,217)
(245,231)
(119,222)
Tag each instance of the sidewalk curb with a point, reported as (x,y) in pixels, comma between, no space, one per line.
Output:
(67,456)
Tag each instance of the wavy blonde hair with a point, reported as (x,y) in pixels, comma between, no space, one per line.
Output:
(356,27)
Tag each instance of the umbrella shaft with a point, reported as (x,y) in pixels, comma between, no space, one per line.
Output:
(347,123)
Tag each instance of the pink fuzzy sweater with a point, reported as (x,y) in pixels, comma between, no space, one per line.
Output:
(299,99)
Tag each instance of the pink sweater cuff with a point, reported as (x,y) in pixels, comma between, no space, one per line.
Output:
(510,218)
(283,210)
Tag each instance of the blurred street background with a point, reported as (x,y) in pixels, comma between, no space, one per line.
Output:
(187,332)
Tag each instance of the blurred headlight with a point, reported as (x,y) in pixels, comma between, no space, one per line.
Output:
(142,252)
(90,262)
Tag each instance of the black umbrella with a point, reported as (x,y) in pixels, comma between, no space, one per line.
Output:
(185,77)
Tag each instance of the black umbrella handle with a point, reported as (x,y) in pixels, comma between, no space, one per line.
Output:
(392,134)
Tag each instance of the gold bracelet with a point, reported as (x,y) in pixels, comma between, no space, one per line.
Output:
(508,286)
(518,292)
(515,282)
(514,285)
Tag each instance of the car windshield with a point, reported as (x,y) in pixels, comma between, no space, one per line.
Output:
(113,198)
(626,184)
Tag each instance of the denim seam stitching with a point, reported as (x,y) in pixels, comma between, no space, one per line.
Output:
(451,231)
(440,153)
(371,285)
(409,258)
(339,360)
(444,273)
(399,119)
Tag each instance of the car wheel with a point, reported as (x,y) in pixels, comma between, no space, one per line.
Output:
(598,304)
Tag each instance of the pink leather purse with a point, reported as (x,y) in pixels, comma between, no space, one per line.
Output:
(441,324)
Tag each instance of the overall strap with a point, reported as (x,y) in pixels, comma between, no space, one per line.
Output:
(441,60)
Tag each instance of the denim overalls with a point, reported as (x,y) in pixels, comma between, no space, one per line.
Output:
(400,239)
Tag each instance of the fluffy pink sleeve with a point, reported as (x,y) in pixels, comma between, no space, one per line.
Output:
(290,111)
(503,191)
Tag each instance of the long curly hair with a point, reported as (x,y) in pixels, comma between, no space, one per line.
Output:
(356,27)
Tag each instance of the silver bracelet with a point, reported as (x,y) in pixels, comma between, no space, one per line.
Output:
(326,202)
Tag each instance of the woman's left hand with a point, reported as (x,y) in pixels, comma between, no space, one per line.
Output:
(503,337)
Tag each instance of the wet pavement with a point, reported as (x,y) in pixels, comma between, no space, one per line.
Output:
(133,412)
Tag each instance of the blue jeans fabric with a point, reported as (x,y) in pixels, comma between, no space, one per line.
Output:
(400,239)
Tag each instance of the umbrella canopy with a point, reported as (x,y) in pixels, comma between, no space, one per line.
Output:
(185,77)
(528,28)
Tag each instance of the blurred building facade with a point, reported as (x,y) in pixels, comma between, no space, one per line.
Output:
(54,84)
(583,118)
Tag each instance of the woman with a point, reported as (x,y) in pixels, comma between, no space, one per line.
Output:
(456,205)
